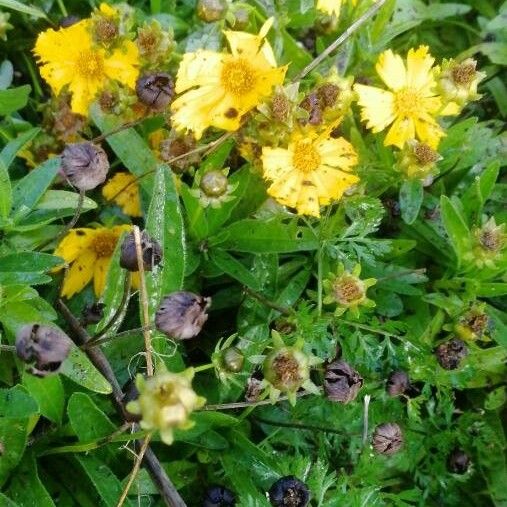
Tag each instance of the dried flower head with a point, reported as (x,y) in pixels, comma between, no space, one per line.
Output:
(387,438)
(150,248)
(450,353)
(43,347)
(397,383)
(165,402)
(289,492)
(154,43)
(219,496)
(155,90)
(418,160)
(341,382)
(211,10)
(85,165)
(473,324)
(181,315)
(458,462)
(489,244)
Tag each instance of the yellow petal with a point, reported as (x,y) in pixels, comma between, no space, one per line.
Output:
(400,132)
(198,69)
(276,162)
(79,274)
(83,94)
(391,69)
(286,190)
(100,274)
(329,7)
(337,153)
(377,107)
(124,190)
(419,63)
(332,183)
(122,64)
(75,241)
(308,201)
(429,132)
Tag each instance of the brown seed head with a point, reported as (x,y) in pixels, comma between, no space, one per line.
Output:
(397,383)
(450,353)
(341,382)
(387,438)
(464,73)
(328,94)
(150,248)
(155,90)
(425,155)
(280,107)
(85,165)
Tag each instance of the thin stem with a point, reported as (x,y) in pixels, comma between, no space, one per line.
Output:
(33,76)
(203,367)
(143,294)
(367,399)
(367,328)
(319,281)
(62,7)
(341,39)
(270,304)
(300,426)
(420,271)
(245,404)
(119,128)
(119,336)
(135,470)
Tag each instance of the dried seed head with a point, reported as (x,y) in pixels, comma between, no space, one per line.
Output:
(387,438)
(397,383)
(67,21)
(450,353)
(85,165)
(286,369)
(105,30)
(155,90)
(108,100)
(181,315)
(177,147)
(464,73)
(92,313)
(289,492)
(253,389)
(328,94)
(150,248)
(218,496)
(280,107)
(44,347)
(311,103)
(211,10)
(214,184)
(341,382)
(232,359)
(425,155)
(458,462)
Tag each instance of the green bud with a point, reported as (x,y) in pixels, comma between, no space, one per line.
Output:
(232,359)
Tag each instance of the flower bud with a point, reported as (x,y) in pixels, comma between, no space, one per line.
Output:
(85,165)
(150,248)
(155,90)
(418,160)
(105,30)
(165,402)
(387,438)
(458,462)
(473,324)
(70,20)
(289,492)
(397,383)
(232,359)
(341,382)
(44,346)
(154,43)
(286,368)
(450,353)
(214,184)
(490,241)
(181,315)
(240,19)
(218,496)
(211,10)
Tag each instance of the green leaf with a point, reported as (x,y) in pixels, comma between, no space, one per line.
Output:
(31,262)
(479,192)
(234,268)
(79,369)
(456,228)
(17,403)
(492,290)
(22,7)
(7,502)
(13,99)
(6,74)
(58,199)
(258,236)
(87,420)
(48,393)
(13,435)
(411,198)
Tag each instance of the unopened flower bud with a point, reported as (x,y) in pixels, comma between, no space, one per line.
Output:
(85,165)
(211,10)
(155,90)
(233,359)
(214,184)
(341,382)
(289,492)
(219,496)
(397,383)
(70,20)
(150,248)
(450,353)
(458,462)
(44,347)
(387,438)
(181,315)
(241,19)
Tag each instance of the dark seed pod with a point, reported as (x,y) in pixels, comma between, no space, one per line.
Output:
(289,492)
(397,383)
(155,90)
(387,438)
(211,10)
(458,462)
(450,353)
(151,252)
(341,382)
(67,21)
(181,315)
(218,496)
(233,359)
(92,313)
(44,347)
(85,165)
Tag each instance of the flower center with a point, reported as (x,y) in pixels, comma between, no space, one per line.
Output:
(286,367)
(305,157)
(90,64)
(463,74)
(238,77)
(407,103)
(104,244)
(490,240)
(424,154)
(347,291)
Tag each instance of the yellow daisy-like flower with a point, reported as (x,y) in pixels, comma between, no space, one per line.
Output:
(311,172)
(69,57)
(124,191)
(220,88)
(88,251)
(410,105)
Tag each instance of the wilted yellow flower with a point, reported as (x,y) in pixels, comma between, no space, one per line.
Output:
(69,57)
(89,252)
(165,402)
(123,189)
(220,88)
(312,171)
(410,105)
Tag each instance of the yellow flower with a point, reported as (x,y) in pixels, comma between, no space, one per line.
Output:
(88,251)
(410,106)
(330,7)
(311,172)
(220,88)
(68,57)
(124,191)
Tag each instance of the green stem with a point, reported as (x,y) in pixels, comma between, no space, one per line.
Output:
(300,426)
(62,7)
(33,76)
(203,367)
(367,328)
(319,281)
